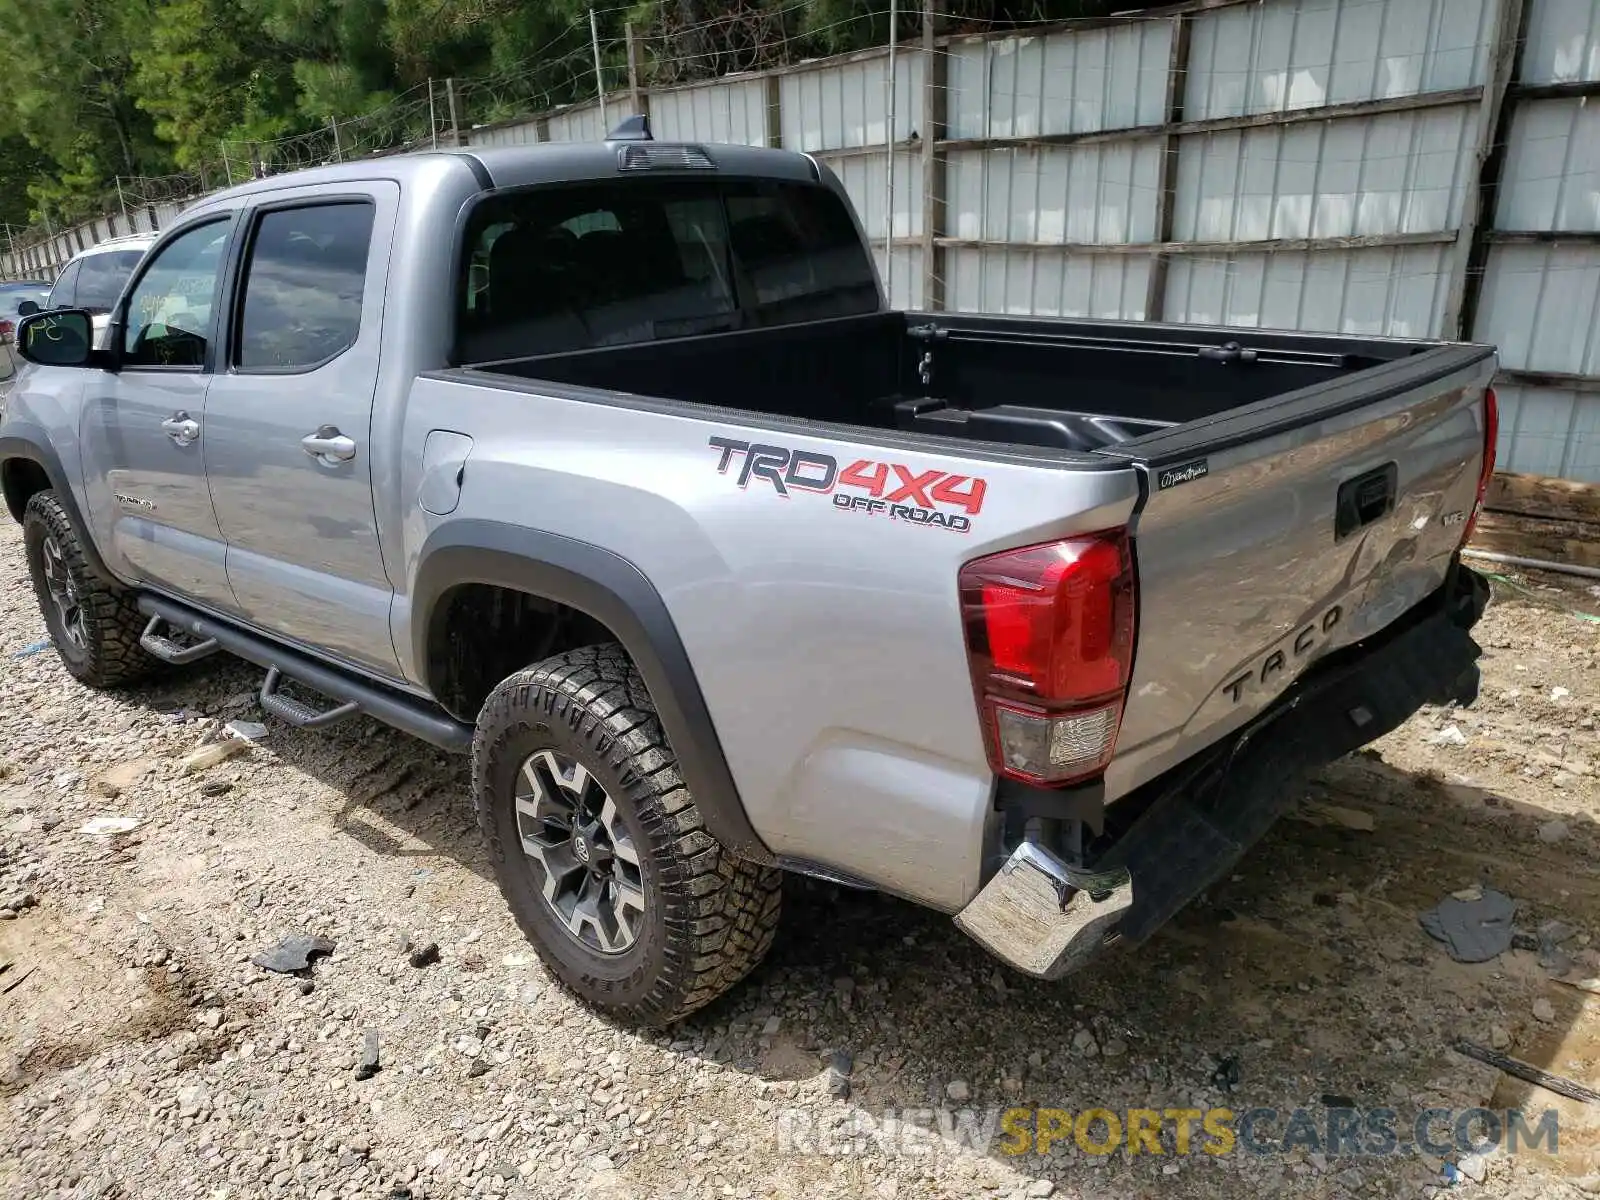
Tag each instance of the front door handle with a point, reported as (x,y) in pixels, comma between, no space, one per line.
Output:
(181,428)
(328,446)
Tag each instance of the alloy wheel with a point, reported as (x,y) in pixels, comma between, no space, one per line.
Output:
(63,593)
(580,852)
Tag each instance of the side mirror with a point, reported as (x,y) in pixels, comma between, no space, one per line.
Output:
(27,308)
(57,339)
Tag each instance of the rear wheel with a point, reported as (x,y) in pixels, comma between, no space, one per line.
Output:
(93,621)
(600,850)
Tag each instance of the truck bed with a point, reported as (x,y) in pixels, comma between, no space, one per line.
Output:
(1067,385)
(1297,492)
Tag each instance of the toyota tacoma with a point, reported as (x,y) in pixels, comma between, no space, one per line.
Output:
(609,465)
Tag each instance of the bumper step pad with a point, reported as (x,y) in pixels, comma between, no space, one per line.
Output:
(1192,836)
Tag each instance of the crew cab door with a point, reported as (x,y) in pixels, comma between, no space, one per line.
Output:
(144,424)
(289,421)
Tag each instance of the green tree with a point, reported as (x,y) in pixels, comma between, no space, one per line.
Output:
(70,93)
(341,63)
(20,165)
(202,75)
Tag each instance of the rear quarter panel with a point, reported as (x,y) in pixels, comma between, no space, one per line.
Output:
(827,642)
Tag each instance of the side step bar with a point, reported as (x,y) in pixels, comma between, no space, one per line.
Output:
(408,714)
(168,651)
(302,716)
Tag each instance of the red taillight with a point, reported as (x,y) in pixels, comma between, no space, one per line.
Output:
(1050,640)
(1491,437)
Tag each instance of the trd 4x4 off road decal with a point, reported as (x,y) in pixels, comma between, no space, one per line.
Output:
(894,490)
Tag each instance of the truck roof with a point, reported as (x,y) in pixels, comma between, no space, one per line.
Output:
(547,162)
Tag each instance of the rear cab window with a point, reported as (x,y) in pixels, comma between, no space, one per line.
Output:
(102,278)
(571,267)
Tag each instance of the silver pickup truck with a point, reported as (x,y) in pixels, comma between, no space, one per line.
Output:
(610,464)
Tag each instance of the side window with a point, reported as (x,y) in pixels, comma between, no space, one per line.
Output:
(303,285)
(65,286)
(168,321)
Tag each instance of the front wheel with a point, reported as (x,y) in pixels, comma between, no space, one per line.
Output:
(600,850)
(93,622)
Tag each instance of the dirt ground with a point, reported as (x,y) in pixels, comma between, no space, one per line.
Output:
(143,1054)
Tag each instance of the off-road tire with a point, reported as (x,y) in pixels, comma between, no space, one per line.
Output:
(710,917)
(110,656)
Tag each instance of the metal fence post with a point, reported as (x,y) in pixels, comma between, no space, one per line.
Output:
(888,147)
(599,79)
(1478,204)
(122,202)
(1155,297)
(636,97)
(772,106)
(935,96)
(455,126)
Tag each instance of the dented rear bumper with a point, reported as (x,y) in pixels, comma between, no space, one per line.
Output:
(1047,917)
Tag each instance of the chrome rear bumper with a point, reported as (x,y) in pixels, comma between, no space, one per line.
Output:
(1044,917)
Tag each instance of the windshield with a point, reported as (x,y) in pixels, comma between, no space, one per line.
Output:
(562,268)
(101,279)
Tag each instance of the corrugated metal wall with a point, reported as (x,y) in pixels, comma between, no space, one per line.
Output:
(1541,298)
(1389,291)
(1310,164)
(730,110)
(1403,172)
(1276,57)
(1032,86)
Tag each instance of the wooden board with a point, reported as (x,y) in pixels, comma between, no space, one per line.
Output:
(1576,542)
(1540,496)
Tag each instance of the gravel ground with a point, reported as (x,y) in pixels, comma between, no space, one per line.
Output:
(142,1053)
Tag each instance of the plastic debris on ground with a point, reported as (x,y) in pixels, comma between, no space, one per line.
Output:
(293,953)
(1474,925)
(32,648)
(102,826)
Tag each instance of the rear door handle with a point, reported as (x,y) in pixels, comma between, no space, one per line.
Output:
(327,445)
(181,428)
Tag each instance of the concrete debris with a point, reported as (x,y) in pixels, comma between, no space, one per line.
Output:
(367,1063)
(205,757)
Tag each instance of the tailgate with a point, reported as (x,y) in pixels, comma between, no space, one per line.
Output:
(1276,533)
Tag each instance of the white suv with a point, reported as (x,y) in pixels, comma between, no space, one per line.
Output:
(94,278)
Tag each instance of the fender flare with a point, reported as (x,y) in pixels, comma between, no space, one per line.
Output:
(613,591)
(28,441)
